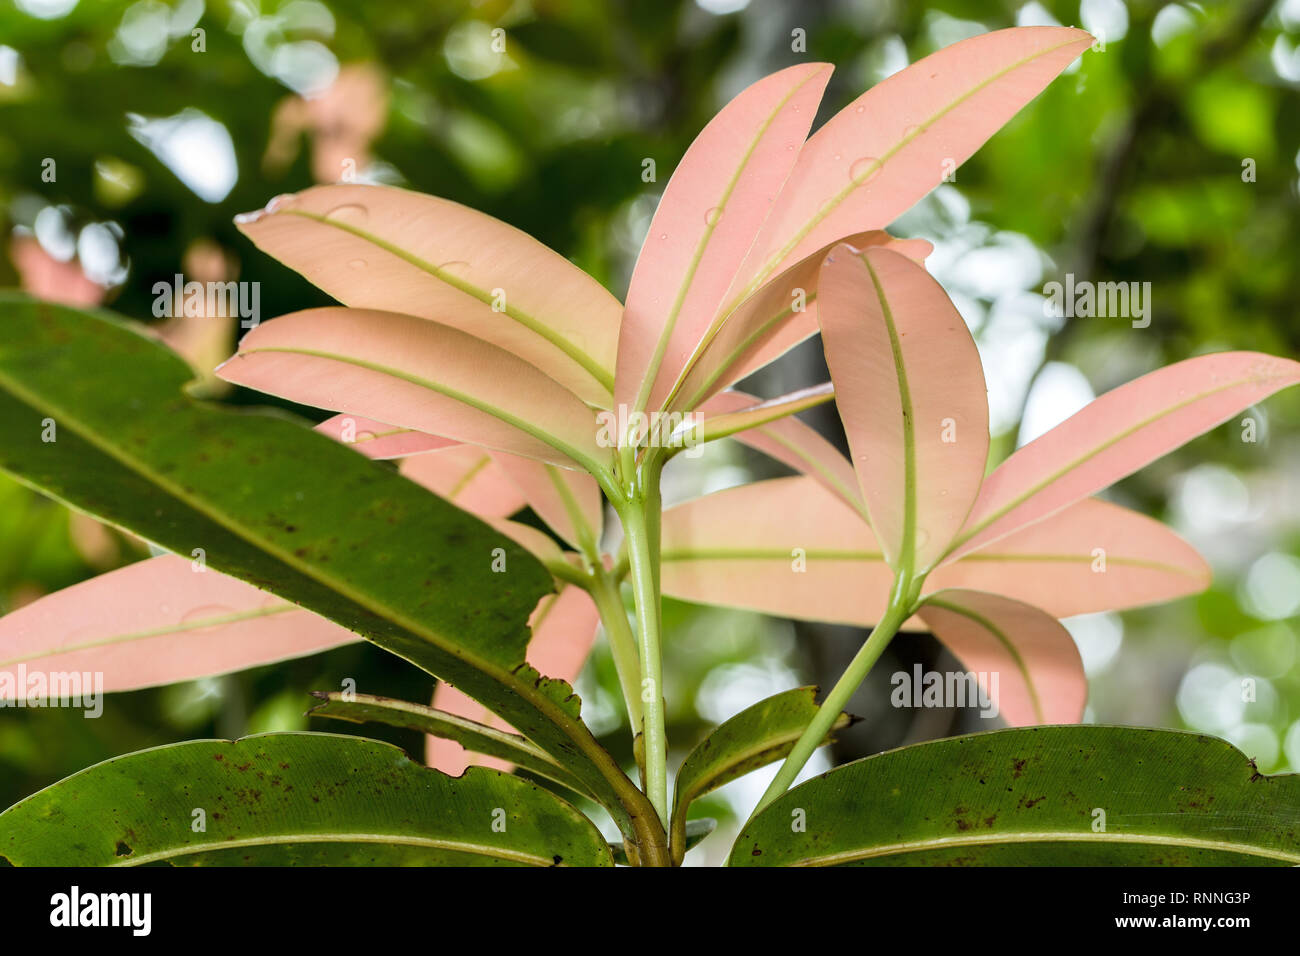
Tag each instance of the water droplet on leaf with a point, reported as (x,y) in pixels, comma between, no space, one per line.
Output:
(864,169)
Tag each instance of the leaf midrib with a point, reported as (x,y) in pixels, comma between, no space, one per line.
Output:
(145,635)
(850,495)
(464,398)
(831,554)
(665,333)
(1043,836)
(906,556)
(732,359)
(585,360)
(1087,456)
(283,839)
(1001,638)
(854,182)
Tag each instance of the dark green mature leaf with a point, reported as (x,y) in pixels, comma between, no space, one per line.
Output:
(1070,795)
(753,738)
(294,799)
(470,734)
(275,504)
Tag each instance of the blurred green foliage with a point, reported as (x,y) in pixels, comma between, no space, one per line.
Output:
(1169,157)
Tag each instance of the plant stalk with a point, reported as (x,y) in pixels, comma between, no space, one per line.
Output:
(622,643)
(899,610)
(640,526)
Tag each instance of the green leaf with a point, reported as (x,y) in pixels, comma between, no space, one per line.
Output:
(293,799)
(290,511)
(472,735)
(753,738)
(1068,795)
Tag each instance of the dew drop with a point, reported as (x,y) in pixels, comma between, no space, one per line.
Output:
(275,205)
(910,131)
(864,169)
(712,216)
(663,235)
(357,264)
(365,436)
(351,213)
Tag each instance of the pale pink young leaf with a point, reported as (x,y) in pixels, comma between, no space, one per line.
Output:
(784,546)
(714,204)
(480,483)
(379,440)
(884,151)
(569,501)
(383,248)
(739,548)
(156,622)
(910,390)
(725,424)
(1090,556)
(772,321)
(1118,433)
(564,629)
(417,374)
(806,324)
(791,442)
(1034,660)
(466,476)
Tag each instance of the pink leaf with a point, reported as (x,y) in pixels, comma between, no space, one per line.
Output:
(569,501)
(467,477)
(1034,660)
(742,547)
(770,322)
(713,207)
(417,374)
(540,544)
(793,443)
(784,546)
(897,141)
(1091,556)
(910,390)
(382,248)
(159,621)
(1118,433)
(764,412)
(564,629)
(380,440)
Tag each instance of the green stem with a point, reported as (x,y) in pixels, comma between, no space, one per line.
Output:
(640,526)
(899,610)
(622,644)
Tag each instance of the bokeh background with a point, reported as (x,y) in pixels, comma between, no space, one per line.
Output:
(131,133)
